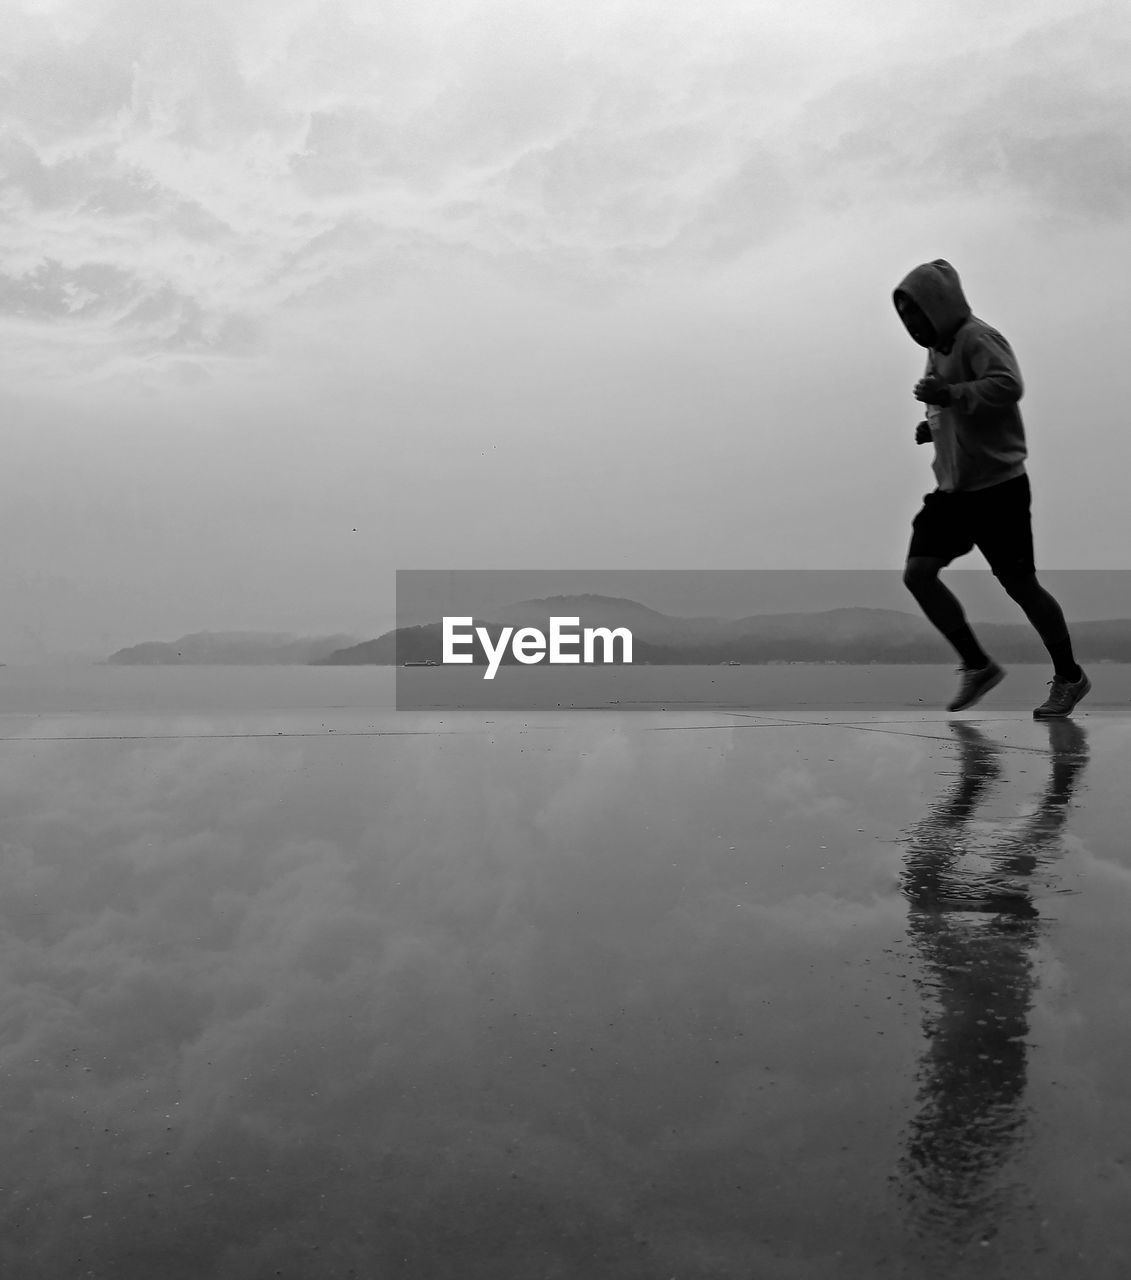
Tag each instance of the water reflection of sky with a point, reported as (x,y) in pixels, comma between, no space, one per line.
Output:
(608,996)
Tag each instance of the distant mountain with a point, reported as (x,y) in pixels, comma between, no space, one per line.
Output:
(834,635)
(232,648)
(608,611)
(407,644)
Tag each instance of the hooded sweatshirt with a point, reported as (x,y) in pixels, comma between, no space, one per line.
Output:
(979,437)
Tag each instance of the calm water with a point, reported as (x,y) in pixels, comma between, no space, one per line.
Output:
(127,691)
(294,985)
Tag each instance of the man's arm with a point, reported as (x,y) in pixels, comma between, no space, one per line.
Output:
(997,379)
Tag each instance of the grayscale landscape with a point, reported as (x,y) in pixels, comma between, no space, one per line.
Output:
(323,957)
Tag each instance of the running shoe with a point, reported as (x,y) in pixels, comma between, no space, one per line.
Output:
(976,681)
(1063,696)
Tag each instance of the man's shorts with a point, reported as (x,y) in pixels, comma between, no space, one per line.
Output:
(996,520)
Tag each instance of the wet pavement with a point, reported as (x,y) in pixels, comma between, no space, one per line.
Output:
(695,994)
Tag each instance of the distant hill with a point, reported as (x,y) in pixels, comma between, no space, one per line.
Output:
(407,644)
(833,635)
(608,611)
(232,648)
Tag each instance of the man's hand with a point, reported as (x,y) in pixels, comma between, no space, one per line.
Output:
(923,433)
(931,391)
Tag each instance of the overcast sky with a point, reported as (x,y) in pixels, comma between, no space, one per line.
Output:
(294,294)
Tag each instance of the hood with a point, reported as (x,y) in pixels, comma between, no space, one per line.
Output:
(937,290)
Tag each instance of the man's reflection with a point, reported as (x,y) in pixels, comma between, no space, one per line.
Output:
(973,925)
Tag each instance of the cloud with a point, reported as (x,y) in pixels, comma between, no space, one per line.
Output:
(218,163)
(186,175)
(497,256)
(1039,119)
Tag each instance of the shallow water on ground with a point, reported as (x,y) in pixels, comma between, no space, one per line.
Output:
(334,992)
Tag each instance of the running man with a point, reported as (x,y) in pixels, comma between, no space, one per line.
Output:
(971,389)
